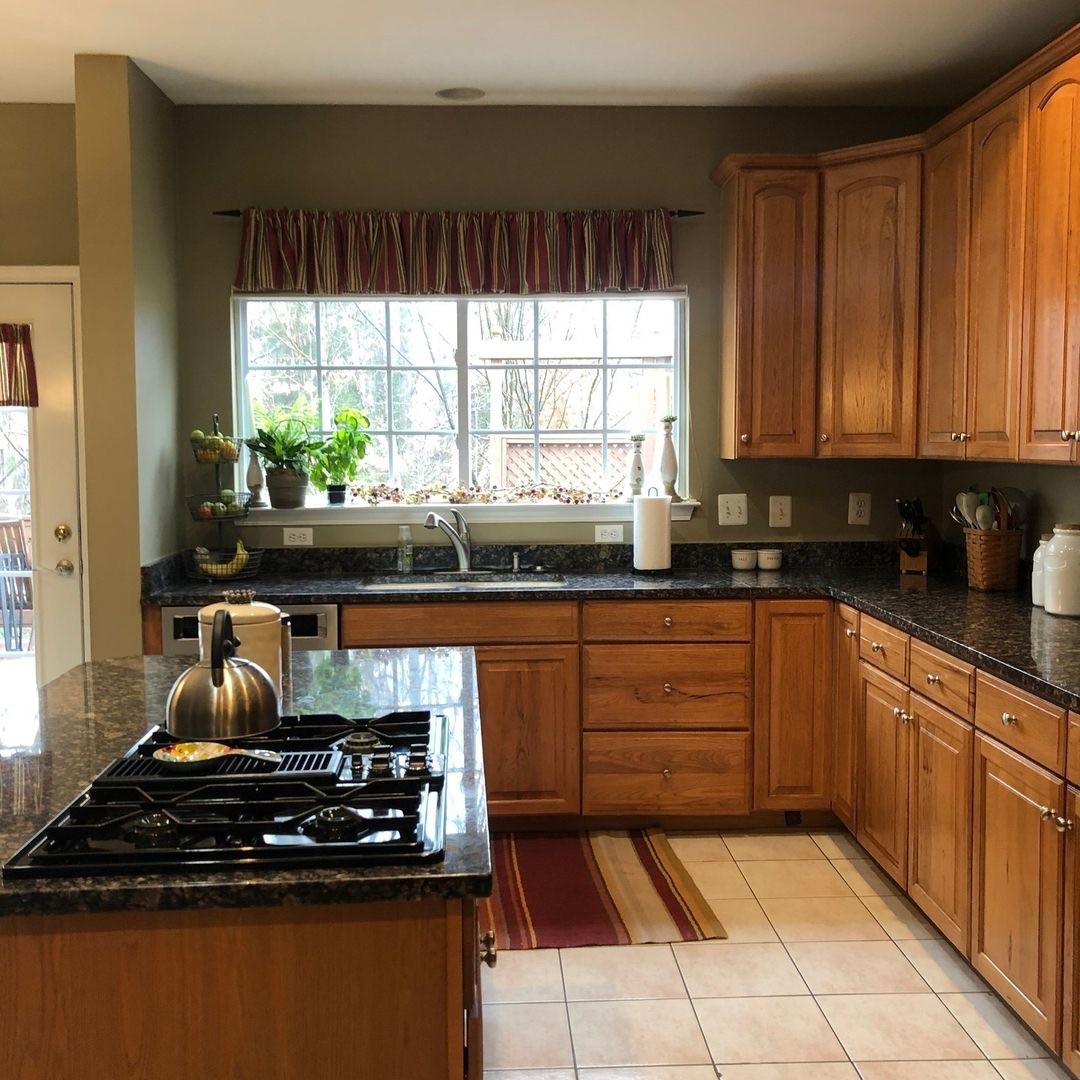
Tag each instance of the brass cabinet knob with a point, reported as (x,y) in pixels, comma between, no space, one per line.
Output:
(489,954)
(1007,719)
(1062,824)
(897,711)
(1046,813)
(1067,435)
(849,632)
(744,438)
(876,646)
(667,688)
(666,774)
(932,679)
(964,436)
(823,438)
(954,437)
(668,621)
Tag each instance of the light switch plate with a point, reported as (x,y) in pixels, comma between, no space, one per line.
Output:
(294,537)
(858,508)
(779,511)
(731,510)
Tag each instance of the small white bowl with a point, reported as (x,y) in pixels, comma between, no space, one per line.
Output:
(769,558)
(743,559)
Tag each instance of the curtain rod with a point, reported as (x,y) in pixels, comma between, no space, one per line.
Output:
(671,213)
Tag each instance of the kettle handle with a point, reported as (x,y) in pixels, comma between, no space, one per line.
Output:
(222,645)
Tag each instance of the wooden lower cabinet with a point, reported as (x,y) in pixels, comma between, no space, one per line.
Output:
(792,669)
(667,772)
(529,708)
(1017,884)
(884,753)
(845,714)
(1070,1031)
(939,842)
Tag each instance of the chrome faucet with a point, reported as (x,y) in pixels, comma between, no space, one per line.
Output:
(459,537)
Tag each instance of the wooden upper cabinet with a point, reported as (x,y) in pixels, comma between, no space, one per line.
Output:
(769,350)
(1051,343)
(869,304)
(995,312)
(943,344)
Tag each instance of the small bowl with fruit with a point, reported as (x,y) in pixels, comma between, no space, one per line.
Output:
(214,448)
(223,506)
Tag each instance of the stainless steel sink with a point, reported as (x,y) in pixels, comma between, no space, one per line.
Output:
(455,581)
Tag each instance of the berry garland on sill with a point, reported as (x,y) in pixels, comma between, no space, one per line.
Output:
(381,494)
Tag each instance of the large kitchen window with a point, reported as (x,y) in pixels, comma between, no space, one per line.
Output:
(496,393)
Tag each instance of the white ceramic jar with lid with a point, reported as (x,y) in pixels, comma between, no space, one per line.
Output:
(1037,573)
(1061,570)
(255,624)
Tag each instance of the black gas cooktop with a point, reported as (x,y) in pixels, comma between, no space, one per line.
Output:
(346,792)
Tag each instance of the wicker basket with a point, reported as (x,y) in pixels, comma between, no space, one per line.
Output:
(993,558)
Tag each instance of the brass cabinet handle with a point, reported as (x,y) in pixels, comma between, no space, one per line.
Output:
(1046,813)
(668,621)
(667,688)
(848,631)
(932,679)
(954,437)
(823,438)
(744,438)
(489,954)
(901,715)
(1067,435)
(876,646)
(1008,719)
(666,774)
(1062,824)
(964,436)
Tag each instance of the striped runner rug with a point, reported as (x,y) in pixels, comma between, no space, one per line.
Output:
(559,890)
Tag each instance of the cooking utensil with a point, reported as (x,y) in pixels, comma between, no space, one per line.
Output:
(958,518)
(1002,509)
(1018,504)
(984,517)
(199,756)
(967,502)
(223,698)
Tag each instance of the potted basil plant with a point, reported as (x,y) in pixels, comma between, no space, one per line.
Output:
(336,463)
(287,451)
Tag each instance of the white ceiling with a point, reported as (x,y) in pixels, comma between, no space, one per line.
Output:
(559,52)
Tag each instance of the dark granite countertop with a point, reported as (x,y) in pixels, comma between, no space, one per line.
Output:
(1001,633)
(91,715)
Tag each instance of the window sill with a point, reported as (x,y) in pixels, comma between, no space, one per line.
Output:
(406,514)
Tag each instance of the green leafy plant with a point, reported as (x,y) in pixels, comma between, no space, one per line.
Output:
(284,442)
(337,460)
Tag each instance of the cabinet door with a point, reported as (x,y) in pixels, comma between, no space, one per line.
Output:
(776,336)
(1070,1034)
(943,318)
(884,751)
(845,714)
(939,854)
(530,719)
(869,300)
(1051,360)
(1016,899)
(792,666)
(998,207)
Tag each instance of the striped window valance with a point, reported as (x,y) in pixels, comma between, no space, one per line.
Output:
(336,253)
(18,380)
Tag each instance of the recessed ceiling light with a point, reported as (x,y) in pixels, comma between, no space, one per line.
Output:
(460,93)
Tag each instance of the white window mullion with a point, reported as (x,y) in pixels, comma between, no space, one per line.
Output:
(603,396)
(536,392)
(324,415)
(461,355)
(390,455)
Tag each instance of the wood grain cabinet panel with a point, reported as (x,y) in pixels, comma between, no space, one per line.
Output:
(845,714)
(995,331)
(488,622)
(1070,1029)
(1029,724)
(666,772)
(884,647)
(943,314)
(942,679)
(869,302)
(769,348)
(667,620)
(939,852)
(884,754)
(666,686)
(1072,757)
(792,665)
(1017,884)
(1051,344)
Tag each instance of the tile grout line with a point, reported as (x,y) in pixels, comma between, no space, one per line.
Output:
(693,1007)
(566,1010)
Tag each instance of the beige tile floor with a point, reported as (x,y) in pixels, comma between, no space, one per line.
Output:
(827,974)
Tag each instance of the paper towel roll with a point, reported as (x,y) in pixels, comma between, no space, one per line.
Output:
(652,532)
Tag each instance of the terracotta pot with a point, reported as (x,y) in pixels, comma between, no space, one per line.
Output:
(287,488)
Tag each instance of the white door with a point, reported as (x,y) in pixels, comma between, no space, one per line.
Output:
(40,485)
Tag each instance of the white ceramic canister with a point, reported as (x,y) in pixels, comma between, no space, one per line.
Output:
(1037,575)
(1061,570)
(258,628)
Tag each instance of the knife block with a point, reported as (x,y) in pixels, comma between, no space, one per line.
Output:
(926,558)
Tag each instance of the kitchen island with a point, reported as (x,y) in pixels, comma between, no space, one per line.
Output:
(348,972)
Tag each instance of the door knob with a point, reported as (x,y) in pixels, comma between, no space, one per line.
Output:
(65,568)
(62,532)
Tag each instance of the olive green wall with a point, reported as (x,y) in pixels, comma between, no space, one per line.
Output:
(39,223)
(454,157)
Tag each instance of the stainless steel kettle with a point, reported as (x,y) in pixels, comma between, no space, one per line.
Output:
(223,698)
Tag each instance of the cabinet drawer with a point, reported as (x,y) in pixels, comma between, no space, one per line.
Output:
(490,622)
(667,686)
(1022,721)
(650,772)
(663,620)
(943,680)
(883,646)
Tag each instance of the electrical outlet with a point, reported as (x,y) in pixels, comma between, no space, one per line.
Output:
(731,509)
(858,508)
(297,537)
(779,511)
(609,534)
